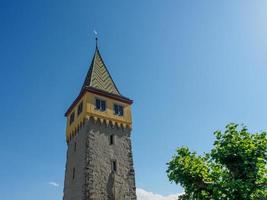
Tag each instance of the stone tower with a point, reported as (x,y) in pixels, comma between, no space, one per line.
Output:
(99,162)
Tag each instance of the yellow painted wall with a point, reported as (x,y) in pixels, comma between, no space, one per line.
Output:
(106,116)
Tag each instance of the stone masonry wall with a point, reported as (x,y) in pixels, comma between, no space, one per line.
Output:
(74,188)
(92,160)
(101,182)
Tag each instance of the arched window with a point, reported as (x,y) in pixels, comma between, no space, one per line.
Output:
(73,173)
(111,139)
(114,165)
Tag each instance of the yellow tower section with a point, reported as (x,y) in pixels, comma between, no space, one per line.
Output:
(87,102)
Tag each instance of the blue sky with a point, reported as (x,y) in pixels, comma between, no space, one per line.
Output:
(191,67)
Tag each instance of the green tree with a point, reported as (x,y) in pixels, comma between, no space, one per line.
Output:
(235,169)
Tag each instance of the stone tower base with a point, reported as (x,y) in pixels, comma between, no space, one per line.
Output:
(90,173)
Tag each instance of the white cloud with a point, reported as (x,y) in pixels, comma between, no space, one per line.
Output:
(53,184)
(144,195)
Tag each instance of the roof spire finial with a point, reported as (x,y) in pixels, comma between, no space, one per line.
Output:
(96,38)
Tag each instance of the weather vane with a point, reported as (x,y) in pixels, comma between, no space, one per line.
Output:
(95,32)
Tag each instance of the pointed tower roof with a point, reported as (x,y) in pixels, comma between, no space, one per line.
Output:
(98,76)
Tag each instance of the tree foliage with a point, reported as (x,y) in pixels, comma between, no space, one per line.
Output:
(235,169)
